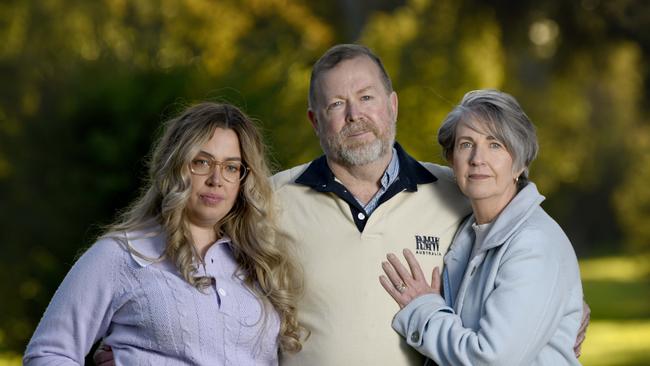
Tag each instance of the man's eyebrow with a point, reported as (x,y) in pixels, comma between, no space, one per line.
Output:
(365,89)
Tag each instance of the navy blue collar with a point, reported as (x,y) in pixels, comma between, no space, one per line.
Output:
(319,176)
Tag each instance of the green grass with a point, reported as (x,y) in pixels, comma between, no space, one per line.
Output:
(618,291)
(617,288)
(617,300)
(624,343)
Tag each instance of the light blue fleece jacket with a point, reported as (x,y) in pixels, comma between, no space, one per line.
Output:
(517,301)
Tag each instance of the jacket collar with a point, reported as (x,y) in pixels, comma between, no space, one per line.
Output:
(512,217)
(507,223)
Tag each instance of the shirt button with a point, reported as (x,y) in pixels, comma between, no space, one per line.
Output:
(212,260)
(361,216)
(415,337)
(222,292)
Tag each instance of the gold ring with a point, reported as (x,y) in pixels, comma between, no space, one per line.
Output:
(401,287)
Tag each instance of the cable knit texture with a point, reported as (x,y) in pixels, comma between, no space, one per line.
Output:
(149,315)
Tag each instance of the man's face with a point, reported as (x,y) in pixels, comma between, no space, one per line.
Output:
(354,115)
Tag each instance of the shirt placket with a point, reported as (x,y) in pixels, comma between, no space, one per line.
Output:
(220,266)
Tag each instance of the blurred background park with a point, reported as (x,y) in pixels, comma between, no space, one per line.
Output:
(85,86)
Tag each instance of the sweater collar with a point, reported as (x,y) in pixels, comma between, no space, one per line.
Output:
(147,247)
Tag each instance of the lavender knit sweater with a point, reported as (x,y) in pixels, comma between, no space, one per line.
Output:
(149,315)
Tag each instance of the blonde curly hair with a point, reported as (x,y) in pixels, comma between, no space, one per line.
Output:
(259,247)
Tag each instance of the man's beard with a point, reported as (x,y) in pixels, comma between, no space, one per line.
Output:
(357,153)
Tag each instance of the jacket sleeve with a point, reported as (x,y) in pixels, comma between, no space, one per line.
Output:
(519,316)
(80,312)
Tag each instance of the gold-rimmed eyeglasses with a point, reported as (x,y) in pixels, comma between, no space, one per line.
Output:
(231,170)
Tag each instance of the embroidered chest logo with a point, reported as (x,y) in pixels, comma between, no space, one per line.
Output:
(427,245)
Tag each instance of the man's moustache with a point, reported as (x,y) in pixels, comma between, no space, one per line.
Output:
(358,128)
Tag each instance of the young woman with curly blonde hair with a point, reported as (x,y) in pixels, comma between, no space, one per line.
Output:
(195,271)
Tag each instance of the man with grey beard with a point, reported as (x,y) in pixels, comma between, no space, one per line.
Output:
(363,198)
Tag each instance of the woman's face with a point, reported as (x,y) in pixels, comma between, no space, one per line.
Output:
(483,167)
(212,196)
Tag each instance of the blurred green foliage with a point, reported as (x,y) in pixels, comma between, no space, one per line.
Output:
(85,86)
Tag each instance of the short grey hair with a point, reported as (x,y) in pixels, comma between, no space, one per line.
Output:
(338,54)
(504,119)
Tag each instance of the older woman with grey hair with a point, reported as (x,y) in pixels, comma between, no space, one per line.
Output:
(511,280)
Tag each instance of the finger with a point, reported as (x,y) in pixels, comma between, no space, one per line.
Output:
(586,317)
(394,277)
(577,350)
(414,265)
(392,291)
(579,340)
(584,323)
(400,269)
(435,280)
(103,359)
(583,327)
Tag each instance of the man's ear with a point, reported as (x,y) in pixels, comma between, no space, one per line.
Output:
(312,118)
(394,103)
